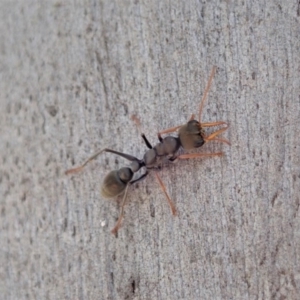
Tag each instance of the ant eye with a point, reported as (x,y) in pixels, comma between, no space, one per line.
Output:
(193,126)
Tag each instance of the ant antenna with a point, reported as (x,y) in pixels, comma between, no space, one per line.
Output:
(212,73)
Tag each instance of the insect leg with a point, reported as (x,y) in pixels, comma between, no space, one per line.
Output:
(137,122)
(140,178)
(169,130)
(196,155)
(212,124)
(118,224)
(127,156)
(172,206)
(146,141)
(212,73)
(172,129)
(212,137)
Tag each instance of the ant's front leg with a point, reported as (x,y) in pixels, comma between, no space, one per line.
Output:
(172,129)
(196,155)
(213,136)
(169,130)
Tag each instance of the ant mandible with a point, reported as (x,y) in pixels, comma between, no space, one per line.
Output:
(190,135)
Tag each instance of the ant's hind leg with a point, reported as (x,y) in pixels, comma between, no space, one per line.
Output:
(146,141)
(172,206)
(172,129)
(75,170)
(127,156)
(118,224)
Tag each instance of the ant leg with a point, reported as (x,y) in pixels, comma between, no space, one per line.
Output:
(172,206)
(169,130)
(172,129)
(140,178)
(127,156)
(191,118)
(212,124)
(196,155)
(212,137)
(137,122)
(118,224)
(146,141)
(212,73)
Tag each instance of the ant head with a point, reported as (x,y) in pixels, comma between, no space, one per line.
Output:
(190,135)
(193,127)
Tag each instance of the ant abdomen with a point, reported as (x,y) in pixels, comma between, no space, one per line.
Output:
(115,182)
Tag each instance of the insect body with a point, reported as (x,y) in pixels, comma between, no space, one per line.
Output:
(190,135)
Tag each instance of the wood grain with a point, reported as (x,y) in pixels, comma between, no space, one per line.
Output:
(73,73)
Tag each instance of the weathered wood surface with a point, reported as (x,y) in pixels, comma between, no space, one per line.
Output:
(72,75)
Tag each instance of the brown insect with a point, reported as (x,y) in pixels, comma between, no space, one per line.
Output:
(190,135)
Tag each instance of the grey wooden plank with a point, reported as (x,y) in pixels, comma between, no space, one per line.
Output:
(73,74)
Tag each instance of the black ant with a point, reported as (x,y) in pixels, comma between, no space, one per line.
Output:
(190,135)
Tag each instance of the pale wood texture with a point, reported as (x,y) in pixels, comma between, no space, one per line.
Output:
(72,75)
